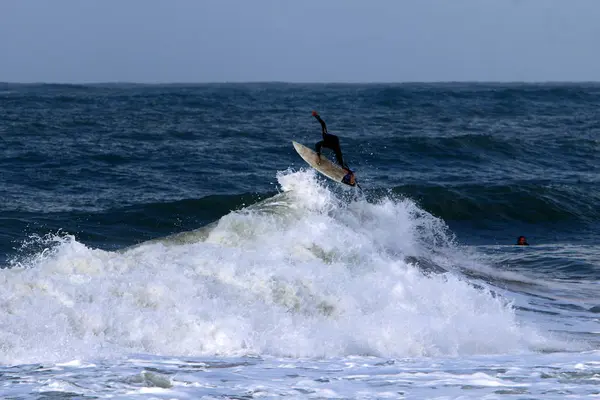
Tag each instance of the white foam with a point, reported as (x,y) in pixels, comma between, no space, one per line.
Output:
(319,277)
(535,375)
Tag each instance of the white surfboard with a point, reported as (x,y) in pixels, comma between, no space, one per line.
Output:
(324,166)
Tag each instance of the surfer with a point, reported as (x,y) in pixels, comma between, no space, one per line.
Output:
(522,241)
(329,141)
(333,142)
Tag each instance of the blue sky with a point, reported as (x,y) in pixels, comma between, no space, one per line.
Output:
(299,41)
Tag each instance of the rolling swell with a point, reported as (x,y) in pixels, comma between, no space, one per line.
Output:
(527,202)
(121,227)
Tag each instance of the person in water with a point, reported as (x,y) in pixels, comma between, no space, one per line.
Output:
(522,241)
(333,142)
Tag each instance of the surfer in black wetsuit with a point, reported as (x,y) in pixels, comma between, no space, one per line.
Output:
(333,142)
(329,141)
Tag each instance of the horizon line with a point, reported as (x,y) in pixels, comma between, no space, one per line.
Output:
(232,82)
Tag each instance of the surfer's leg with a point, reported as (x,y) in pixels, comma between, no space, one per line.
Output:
(318,147)
(338,156)
(334,144)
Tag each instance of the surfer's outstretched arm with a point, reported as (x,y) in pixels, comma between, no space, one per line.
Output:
(323,126)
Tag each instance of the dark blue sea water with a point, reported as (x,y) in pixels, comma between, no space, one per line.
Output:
(119,203)
(119,164)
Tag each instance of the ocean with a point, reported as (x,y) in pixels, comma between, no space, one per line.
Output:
(167,242)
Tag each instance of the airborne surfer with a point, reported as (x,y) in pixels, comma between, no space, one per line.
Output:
(333,142)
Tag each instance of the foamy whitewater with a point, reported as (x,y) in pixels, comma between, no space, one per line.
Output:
(316,292)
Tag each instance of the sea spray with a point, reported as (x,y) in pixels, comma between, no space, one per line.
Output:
(320,277)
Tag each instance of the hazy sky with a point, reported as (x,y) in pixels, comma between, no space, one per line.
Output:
(299,40)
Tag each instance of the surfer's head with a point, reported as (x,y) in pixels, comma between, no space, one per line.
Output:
(522,241)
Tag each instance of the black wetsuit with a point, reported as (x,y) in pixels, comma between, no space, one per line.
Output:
(329,141)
